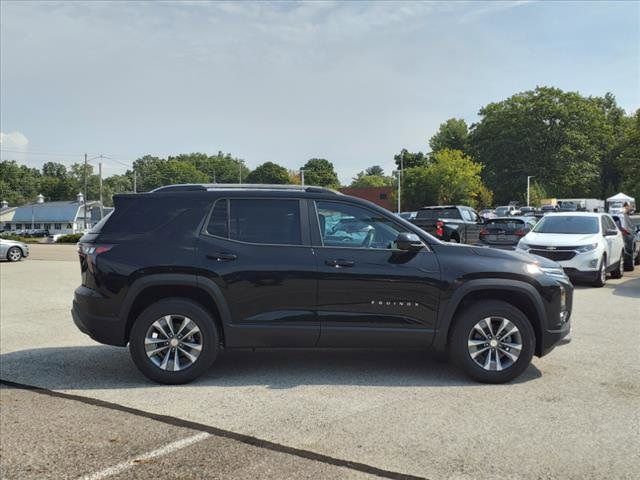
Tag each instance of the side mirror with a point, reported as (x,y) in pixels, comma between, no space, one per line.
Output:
(409,242)
(611,232)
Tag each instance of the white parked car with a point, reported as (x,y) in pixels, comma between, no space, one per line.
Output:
(587,245)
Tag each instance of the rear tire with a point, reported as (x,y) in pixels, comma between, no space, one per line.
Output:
(196,353)
(619,270)
(629,265)
(468,350)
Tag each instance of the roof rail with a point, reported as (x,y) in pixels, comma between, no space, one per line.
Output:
(186,187)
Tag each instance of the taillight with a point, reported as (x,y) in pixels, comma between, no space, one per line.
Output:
(439,230)
(93,249)
(520,233)
(484,232)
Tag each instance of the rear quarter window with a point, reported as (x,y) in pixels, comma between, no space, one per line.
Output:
(164,216)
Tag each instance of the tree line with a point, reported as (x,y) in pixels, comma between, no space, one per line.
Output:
(574,146)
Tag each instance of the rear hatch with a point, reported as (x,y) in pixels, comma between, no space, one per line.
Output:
(503,231)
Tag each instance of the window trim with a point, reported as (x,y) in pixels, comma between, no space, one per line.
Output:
(304,234)
(314,204)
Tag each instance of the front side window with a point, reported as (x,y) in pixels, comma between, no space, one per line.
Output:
(343,225)
(263,221)
(466,215)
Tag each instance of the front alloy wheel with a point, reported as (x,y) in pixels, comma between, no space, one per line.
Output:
(492,341)
(14,254)
(495,343)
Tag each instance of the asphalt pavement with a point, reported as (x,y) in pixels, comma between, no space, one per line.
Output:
(312,414)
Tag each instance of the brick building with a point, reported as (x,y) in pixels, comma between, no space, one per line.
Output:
(383,196)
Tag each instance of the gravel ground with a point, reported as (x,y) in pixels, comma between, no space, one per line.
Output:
(573,414)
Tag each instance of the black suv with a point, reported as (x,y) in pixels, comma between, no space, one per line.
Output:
(184,271)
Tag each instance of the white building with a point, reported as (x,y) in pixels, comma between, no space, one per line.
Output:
(56,217)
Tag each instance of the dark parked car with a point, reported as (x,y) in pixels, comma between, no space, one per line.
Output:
(450,223)
(631,236)
(505,232)
(181,273)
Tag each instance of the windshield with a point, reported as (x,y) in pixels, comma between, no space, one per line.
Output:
(567,224)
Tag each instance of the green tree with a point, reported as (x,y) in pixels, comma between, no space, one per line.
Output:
(628,159)
(536,194)
(452,178)
(406,159)
(270,173)
(54,169)
(375,170)
(452,134)
(362,180)
(320,172)
(561,137)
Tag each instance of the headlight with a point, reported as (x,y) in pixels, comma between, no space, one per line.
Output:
(553,271)
(533,268)
(586,248)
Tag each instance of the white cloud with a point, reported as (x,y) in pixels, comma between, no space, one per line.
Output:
(13,140)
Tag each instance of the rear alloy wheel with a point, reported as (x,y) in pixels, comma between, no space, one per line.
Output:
(14,254)
(601,275)
(492,342)
(174,341)
(619,270)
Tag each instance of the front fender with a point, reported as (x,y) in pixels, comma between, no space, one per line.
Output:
(448,307)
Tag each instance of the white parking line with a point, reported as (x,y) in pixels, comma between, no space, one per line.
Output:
(171,447)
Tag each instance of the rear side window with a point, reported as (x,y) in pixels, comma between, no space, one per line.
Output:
(172,216)
(263,221)
(219,221)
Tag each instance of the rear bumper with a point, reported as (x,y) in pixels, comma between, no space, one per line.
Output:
(88,315)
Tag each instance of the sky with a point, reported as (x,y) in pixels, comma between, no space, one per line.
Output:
(352,82)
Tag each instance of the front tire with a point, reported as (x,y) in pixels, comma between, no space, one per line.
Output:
(14,254)
(492,341)
(629,262)
(174,341)
(601,275)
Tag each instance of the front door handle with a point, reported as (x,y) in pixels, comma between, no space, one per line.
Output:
(222,256)
(340,263)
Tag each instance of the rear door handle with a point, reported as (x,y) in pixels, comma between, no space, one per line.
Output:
(340,263)
(222,256)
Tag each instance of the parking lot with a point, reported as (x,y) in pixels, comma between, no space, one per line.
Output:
(328,413)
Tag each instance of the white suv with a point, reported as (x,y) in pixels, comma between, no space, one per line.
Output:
(587,245)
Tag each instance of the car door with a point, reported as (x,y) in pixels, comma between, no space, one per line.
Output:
(617,241)
(369,292)
(259,256)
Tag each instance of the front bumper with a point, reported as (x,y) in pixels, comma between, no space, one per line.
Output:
(88,315)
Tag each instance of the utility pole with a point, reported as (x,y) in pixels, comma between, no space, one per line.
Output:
(400,178)
(529,177)
(135,181)
(100,177)
(302,176)
(239,171)
(85,190)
